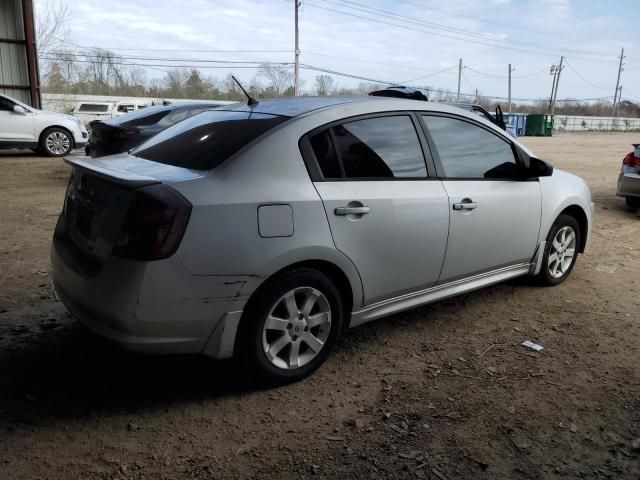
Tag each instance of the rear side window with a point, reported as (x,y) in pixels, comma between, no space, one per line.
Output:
(383,147)
(469,151)
(326,154)
(93,107)
(203,142)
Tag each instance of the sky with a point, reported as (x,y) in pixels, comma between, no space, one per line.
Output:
(404,42)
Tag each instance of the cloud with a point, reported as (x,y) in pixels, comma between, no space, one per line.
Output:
(381,47)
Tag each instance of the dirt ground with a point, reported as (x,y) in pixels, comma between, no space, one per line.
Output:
(441,392)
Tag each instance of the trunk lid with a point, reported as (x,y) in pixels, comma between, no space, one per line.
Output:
(98,197)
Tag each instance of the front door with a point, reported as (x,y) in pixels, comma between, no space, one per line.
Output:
(386,214)
(495,216)
(14,126)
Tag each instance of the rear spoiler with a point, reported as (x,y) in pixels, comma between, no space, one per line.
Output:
(117,176)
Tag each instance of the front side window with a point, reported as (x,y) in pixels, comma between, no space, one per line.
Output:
(383,147)
(6,104)
(469,151)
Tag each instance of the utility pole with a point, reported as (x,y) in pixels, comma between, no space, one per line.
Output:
(510,70)
(459,79)
(552,71)
(615,95)
(617,111)
(476,100)
(555,94)
(296,69)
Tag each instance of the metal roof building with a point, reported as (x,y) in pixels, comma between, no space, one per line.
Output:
(19,77)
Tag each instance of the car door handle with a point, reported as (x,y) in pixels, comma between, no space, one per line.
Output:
(465,205)
(351,210)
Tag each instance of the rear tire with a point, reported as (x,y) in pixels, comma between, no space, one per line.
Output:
(56,142)
(633,202)
(290,327)
(560,251)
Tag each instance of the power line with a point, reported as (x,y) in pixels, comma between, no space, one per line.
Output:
(510,26)
(430,75)
(398,17)
(582,78)
(152,65)
(164,59)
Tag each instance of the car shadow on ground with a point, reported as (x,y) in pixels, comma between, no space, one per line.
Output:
(68,372)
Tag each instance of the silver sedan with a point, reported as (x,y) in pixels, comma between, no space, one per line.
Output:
(261,231)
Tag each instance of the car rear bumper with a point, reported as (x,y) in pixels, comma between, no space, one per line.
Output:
(153,307)
(629,184)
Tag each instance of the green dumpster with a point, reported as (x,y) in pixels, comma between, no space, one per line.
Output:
(539,125)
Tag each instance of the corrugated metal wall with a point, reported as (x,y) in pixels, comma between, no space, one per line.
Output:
(13,52)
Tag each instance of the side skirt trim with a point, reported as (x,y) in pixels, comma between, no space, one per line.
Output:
(439,292)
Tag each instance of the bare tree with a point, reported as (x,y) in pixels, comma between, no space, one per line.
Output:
(52,29)
(278,77)
(324,84)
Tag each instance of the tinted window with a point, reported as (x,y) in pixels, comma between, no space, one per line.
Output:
(93,107)
(380,147)
(483,114)
(178,116)
(469,151)
(205,141)
(325,154)
(6,104)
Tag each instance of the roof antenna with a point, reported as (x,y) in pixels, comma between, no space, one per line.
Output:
(251,100)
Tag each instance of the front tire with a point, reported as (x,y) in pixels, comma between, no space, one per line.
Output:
(290,327)
(56,142)
(560,251)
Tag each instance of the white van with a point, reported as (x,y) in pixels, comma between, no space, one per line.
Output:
(90,111)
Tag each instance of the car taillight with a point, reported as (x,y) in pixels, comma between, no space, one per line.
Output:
(155,222)
(631,160)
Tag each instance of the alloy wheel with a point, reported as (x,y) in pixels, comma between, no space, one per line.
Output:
(57,143)
(297,328)
(562,251)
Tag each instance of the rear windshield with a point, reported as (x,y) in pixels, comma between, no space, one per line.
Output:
(204,141)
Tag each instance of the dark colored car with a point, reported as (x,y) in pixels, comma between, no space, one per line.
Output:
(399,91)
(498,119)
(121,134)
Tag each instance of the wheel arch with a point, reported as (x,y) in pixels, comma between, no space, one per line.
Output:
(61,127)
(580,215)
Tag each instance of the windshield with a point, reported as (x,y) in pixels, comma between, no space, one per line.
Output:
(204,141)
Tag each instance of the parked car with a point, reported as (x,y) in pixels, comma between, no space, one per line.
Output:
(125,132)
(399,91)
(629,178)
(49,133)
(498,119)
(261,231)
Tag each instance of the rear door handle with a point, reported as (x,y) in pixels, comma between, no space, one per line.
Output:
(465,204)
(351,210)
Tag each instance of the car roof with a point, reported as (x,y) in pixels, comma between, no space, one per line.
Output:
(294,106)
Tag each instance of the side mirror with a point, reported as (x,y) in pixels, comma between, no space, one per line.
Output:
(537,168)
(500,118)
(19,110)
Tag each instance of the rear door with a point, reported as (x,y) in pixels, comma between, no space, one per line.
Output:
(385,212)
(495,214)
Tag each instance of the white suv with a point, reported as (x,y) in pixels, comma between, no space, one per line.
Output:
(50,133)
